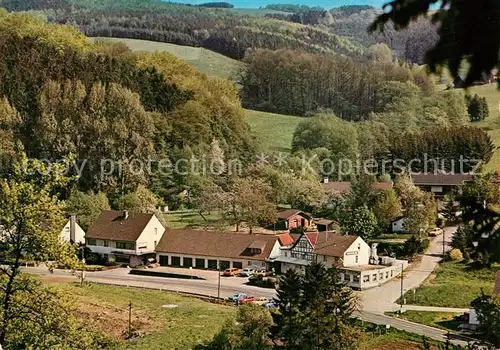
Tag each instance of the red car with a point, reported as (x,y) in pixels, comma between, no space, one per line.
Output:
(247,300)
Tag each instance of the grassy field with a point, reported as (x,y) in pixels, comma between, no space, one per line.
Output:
(193,321)
(185,219)
(204,60)
(443,320)
(273,131)
(453,285)
(492,123)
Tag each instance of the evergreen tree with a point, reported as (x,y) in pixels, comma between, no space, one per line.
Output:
(315,310)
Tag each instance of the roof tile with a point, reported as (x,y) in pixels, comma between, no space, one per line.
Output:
(216,244)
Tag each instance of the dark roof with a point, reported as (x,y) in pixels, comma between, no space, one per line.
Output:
(334,245)
(440,179)
(217,244)
(112,225)
(287,214)
(496,289)
(325,222)
(286,239)
(344,186)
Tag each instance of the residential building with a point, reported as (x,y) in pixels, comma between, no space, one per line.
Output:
(323,225)
(293,219)
(399,225)
(286,240)
(72,232)
(125,237)
(345,186)
(203,249)
(360,266)
(440,184)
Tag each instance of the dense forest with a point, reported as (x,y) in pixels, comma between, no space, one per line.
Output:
(290,82)
(63,96)
(310,29)
(220,30)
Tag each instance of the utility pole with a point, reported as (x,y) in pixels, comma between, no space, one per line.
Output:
(130,319)
(218,281)
(401,298)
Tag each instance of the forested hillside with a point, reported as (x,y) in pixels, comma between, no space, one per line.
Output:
(220,30)
(352,22)
(64,96)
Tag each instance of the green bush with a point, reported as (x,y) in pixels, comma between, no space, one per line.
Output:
(263,282)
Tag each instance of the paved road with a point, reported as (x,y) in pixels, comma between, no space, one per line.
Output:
(376,301)
(416,328)
(383,298)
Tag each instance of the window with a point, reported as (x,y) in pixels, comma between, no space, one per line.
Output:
(374,277)
(155,244)
(359,246)
(91,241)
(286,254)
(106,243)
(156,230)
(381,275)
(125,245)
(366,278)
(325,258)
(357,259)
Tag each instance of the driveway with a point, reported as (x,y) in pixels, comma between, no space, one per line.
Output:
(383,298)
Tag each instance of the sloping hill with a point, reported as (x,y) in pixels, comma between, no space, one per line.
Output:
(206,61)
(274,132)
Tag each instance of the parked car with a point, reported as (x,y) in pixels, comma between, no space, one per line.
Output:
(247,300)
(436,232)
(233,271)
(260,301)
(269,305)
(263,273)
(247,272)
(237,297)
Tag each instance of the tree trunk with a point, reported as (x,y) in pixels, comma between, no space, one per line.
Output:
(7,301)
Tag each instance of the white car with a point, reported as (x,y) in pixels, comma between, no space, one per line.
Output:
(435,232)
(247,272)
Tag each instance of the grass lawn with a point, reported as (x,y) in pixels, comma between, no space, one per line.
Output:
(206,61)
(398,236)
(492,123)
(193,321)
(273,131)
(443,320)
(186,218)
(453,285)
(382,339)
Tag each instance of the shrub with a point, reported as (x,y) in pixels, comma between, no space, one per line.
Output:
(263,282)
(455,255)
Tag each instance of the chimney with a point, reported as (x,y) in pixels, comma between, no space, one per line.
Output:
(125,214)
(325,179)
(72,228)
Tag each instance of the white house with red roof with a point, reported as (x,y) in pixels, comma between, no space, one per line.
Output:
(359,265)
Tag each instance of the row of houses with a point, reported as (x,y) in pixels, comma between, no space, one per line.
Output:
(438,184)
(138,238)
